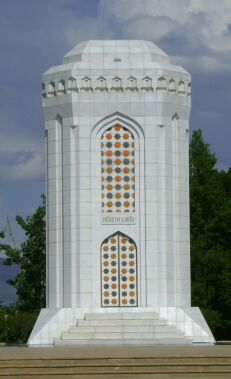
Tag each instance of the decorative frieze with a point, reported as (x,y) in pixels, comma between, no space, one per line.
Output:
(116,84)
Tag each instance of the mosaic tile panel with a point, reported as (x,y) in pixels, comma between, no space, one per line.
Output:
(128,275)
(118,170)
(110,265)
(119,271)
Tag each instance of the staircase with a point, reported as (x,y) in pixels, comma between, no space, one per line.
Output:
(116,362)
(122,329)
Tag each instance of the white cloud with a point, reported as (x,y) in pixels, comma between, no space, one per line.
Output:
(143,27)
(201,26)
(128,9)
(202,64)
(21,166)
(195,33)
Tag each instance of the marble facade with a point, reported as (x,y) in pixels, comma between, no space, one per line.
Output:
(117,134)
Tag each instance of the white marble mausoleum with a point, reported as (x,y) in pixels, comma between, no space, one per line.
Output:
(118,244)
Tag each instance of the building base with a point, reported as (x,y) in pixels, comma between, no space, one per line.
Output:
(53,323)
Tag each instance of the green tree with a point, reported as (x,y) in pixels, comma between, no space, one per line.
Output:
(210,201)
(30,257)
(210,204)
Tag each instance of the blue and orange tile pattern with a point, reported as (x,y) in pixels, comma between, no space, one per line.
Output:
(118,170)
(119,271)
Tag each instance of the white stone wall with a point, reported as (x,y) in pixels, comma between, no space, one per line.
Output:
(77,106)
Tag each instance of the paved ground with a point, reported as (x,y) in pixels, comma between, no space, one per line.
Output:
(85,352)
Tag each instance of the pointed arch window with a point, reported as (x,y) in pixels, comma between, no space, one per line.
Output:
(147,83)
(119,271)
(51,88)
(101,84)
(172,85)
(61,87)
(161,83)
(86,84)
(71,85)
(132,83)
(118,170)
(116,84)
(181,87)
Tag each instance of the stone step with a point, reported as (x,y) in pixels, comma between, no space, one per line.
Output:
(117,336)
(110,328)
(123,328)
(124,342)
(121,316)
(116,362)
(119,322)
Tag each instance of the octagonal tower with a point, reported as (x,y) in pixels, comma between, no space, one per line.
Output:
(117,129)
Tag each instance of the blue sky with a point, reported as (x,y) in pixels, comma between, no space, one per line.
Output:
(36,34)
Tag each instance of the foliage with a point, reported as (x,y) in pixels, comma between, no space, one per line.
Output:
(15,326)
(210,204)
(210,201)
(30,257)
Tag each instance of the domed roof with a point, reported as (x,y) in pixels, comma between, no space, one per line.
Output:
(117,50)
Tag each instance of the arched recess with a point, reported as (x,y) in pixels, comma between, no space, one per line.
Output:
(119,117)
(51,89)
(117,143)
(118,271)
(54,212)
(131,223)
(175,145)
